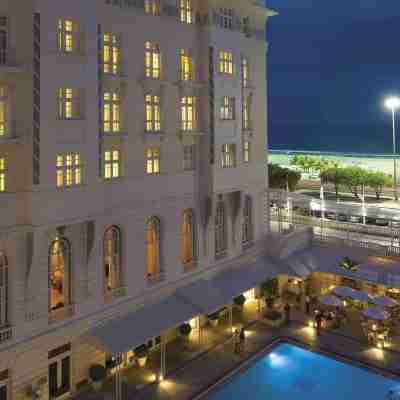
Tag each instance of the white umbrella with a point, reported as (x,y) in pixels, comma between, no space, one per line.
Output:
(330,301)
(376,313)
(343,291)
(384,301)
(360,296)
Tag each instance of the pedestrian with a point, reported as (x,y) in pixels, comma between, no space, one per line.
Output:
(298,301)
(308,304)
(318,320)
(242,338)
(236,341)
(287,312)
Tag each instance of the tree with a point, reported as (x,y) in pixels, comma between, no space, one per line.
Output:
(335,176)
(377,181)
(354,178)
(278,177)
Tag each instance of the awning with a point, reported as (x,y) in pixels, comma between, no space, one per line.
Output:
(125,333)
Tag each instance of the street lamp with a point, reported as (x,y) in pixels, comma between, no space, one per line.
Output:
(393,103)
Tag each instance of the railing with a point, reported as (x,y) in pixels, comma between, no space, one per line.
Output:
(156,278)
(115,293)
(61,313)
(6,333)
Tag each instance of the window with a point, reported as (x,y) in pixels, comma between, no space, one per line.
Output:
(69,170)
(152,7)
(4,385)
(226,18)
(220,230)
(111,112)
(189,157)
(3,170)
(68,36)
(188,113)
(188,237)
(245,72)
(112,164)
(3,40)
(59,374)
(111,53)
(153,113)
(3,289)
(246,151)
(246,25)
(247,234)
(69,104)
(59,274)
(246,123)
(153,160)
(153,248)
(186,66)
(227,110)
(228,155)
(112,258)
(186,11)
(226,62)
(152,60)
(3,111)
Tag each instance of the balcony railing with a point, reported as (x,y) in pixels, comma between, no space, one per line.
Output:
(8,60)
(6,333)
(61,313)
(13,134)
(156,278)
(115,293)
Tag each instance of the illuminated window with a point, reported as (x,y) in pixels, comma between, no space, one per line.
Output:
(112,164)
(188,113)
(246,151)
(246,123)
(186,66)
(227,110)
(186,11)
(68,36)
(3,111)
(69,103)
(247,233)
(3,289)
(152,7)
(188,237)
(3,40)
(220,230)
(111,112)
(111,53)
(228,158)
(153,160)
(59,274)
(226,18)
(3,171)
(112,258)
(153,248)
(69,170)
(226,62)
(153,113)
(189,157)
(245,72)
(152,60)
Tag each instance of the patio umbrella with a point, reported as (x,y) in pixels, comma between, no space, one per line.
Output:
(384,301)
(343,291)
(376,313)
(330,300)
(360,296)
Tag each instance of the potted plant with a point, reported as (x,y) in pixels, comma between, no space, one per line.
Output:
(213,318)
(97,373)
(239,301)
(269,290)
(141,353)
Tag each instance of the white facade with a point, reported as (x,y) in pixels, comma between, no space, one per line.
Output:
(39,205)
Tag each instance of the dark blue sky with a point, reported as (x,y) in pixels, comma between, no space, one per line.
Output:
(331,63)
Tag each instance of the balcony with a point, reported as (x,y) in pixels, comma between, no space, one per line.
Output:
(189,137)
(115,293)
(6,333)
(13,134)
(61,313)
(8,61)
(156,278)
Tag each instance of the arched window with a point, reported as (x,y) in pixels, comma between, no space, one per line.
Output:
(188,237)
(220,230)
(247,234)
(112,258)
(153,247)
(59,274)
(3,289)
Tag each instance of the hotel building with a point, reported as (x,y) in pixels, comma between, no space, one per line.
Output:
(132,176)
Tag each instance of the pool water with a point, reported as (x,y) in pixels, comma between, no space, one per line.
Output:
(290,373)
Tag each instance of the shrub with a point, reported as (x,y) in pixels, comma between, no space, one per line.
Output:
(97,373)
(273,315)
(185,329)
(142,351)
(269,288)
(239,300)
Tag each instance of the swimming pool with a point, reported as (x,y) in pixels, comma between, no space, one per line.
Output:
(289,372)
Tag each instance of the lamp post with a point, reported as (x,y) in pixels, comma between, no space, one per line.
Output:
(393,103)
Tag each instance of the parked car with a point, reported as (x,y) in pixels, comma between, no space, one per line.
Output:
(355,219)
(395,223)
(330,215)
(342,218)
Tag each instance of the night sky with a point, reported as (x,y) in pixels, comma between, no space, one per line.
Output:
(331,63)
